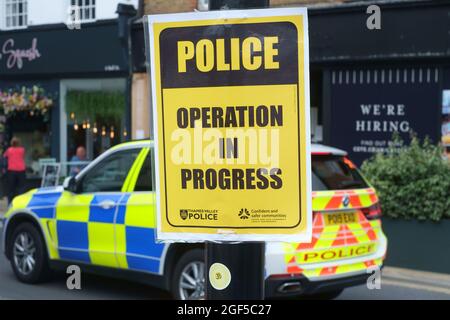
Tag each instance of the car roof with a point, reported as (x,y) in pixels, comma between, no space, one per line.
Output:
(316,149)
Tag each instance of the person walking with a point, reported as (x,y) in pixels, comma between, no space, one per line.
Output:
(15,175)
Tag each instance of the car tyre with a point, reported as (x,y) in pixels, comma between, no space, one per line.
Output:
(188,279)
(28,254)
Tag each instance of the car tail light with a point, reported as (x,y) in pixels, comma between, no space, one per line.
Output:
(372,212)
(349,163)
(315,213)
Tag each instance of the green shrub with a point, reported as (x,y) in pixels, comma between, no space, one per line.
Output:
(412,182)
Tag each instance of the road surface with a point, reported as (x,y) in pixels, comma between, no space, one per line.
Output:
(393,286)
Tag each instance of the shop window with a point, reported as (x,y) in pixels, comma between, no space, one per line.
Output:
(16,14)
(83,10)
(25,113)
(95,121)
(34,134)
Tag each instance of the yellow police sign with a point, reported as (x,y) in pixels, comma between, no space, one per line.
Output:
(230,96)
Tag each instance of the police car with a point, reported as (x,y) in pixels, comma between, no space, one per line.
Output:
(103,220)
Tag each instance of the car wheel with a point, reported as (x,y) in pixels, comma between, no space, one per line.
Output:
(28,254)
(188,280)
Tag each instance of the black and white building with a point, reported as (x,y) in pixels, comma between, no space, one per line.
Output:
(71,53)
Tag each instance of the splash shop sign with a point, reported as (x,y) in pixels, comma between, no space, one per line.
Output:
(230,104)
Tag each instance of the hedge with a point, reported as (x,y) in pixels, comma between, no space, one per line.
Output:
(413,181)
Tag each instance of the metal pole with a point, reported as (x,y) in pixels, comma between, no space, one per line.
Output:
(241,265)
(127,14)
(235,271)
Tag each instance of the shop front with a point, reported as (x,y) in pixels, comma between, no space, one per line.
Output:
(29,110)
(445,111)
(94,115)
(369,106)
(62,89)
(365,85)
(380,83)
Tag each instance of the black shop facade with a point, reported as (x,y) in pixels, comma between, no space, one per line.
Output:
(61,89)
(367,85)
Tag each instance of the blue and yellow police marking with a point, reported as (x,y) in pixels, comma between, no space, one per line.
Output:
(78,228)
(43,204)
(73,241)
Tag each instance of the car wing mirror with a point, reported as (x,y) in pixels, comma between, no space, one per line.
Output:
(70,184)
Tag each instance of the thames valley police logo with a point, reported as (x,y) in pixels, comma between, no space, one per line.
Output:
(183,214)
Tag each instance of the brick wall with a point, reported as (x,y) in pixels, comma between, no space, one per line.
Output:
(282,3)
(168,6)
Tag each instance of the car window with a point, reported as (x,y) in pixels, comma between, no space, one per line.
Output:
(144,180)
(335,173)
(110,174)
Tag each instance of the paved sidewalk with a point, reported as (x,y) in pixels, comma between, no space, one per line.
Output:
(3,206)
(430,281)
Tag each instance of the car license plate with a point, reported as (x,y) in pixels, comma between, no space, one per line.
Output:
(340,218)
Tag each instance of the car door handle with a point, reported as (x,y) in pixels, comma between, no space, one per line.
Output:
(107,204)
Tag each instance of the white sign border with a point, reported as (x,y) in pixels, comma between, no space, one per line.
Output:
(229,14)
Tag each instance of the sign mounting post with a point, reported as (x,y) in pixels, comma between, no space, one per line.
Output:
(230,94)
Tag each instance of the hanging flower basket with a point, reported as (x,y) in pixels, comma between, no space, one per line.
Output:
(30,100)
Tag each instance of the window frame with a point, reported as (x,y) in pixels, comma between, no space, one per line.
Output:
(147,153)
(5,16)
(92,7)
(82,175)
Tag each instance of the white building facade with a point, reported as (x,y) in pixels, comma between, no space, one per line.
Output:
(70,54)
(17,14)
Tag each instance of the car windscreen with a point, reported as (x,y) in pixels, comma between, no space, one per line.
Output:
(335,173)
